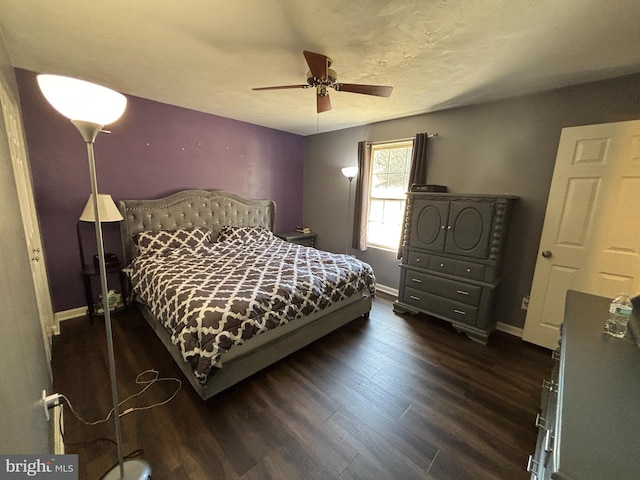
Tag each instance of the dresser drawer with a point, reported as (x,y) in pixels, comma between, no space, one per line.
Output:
(459,291)
(440,306)
(473,271)
(418,259)
(541,463)
(307,242)
(442,265)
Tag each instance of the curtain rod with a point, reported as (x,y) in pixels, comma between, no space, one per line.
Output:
(431,135)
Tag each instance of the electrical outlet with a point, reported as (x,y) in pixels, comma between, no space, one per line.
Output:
(49,401)
(525,302)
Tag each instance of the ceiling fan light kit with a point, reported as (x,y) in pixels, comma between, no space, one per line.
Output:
(322,77)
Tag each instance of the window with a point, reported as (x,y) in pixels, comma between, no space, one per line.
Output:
(390,168)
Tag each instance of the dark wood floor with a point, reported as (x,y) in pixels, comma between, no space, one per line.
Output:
(389,397)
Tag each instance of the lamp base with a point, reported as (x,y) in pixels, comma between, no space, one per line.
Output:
(133,470)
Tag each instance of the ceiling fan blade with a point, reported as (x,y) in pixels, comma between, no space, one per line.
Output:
(318,64)
(323,103)
(376,90)
(282,87)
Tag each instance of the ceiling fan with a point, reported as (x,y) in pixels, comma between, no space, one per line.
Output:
(321,77)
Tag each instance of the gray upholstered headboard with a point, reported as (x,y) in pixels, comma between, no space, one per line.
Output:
(191,208)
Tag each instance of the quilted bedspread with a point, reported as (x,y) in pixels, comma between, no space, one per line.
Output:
(216,295)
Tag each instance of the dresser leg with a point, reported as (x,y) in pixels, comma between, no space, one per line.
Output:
(401,308)
(476,337)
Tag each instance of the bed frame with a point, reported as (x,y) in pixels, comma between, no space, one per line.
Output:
(214,209)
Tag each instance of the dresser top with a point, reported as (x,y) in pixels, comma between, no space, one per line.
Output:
(451,196)
(599,396)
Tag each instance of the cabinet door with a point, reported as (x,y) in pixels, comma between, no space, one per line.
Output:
(429,224)
(469,228)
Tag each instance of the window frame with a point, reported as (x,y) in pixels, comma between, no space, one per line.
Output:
(390,145)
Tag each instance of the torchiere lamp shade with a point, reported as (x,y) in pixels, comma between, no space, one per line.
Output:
(83,101)
(350,172)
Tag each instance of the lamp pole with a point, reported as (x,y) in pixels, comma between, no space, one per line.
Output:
(349,172)
(89,132)
(348,217)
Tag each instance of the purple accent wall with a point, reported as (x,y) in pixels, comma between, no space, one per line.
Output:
(154,150)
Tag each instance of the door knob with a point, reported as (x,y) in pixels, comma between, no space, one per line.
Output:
(546,254)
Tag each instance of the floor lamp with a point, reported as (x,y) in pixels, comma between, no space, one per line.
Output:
(349,172)
(90,107)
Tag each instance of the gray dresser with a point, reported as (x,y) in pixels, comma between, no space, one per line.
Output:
(589,425)
(452,249)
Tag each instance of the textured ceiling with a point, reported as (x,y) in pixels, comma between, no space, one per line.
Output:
(206,55)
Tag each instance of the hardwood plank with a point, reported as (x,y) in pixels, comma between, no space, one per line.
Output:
(392,396)
(379,456)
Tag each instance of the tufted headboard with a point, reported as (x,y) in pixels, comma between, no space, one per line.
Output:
(191,208)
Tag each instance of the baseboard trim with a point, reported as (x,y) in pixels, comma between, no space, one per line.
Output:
(57,426)
(387,290)
(510,329)
(69,314)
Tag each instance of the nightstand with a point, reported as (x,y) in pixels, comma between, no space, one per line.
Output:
(306,239)
(91,272)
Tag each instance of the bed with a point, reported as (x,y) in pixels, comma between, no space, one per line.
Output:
(223,293)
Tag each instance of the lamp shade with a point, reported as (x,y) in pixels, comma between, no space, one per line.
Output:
(350,172)
(108,210)
(80,100)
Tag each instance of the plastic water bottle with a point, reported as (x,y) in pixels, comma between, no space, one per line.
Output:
(619,314)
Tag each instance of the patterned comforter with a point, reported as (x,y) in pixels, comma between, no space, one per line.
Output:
(212,296)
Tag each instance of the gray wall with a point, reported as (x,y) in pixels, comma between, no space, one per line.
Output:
(501,147)
(24,370)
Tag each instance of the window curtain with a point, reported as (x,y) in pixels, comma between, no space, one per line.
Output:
(361,206)
(418,172)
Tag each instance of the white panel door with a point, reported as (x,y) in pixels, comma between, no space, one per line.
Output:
(22,173)
(591,235)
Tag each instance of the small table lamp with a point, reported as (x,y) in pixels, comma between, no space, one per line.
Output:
(108,212)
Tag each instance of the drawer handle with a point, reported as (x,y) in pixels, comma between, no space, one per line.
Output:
(462,292)
(442,265)
(468,270)
(417,280)
(541,422)
(532,465)
(548,441)
(417,260)
(413,297)
(460,312)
